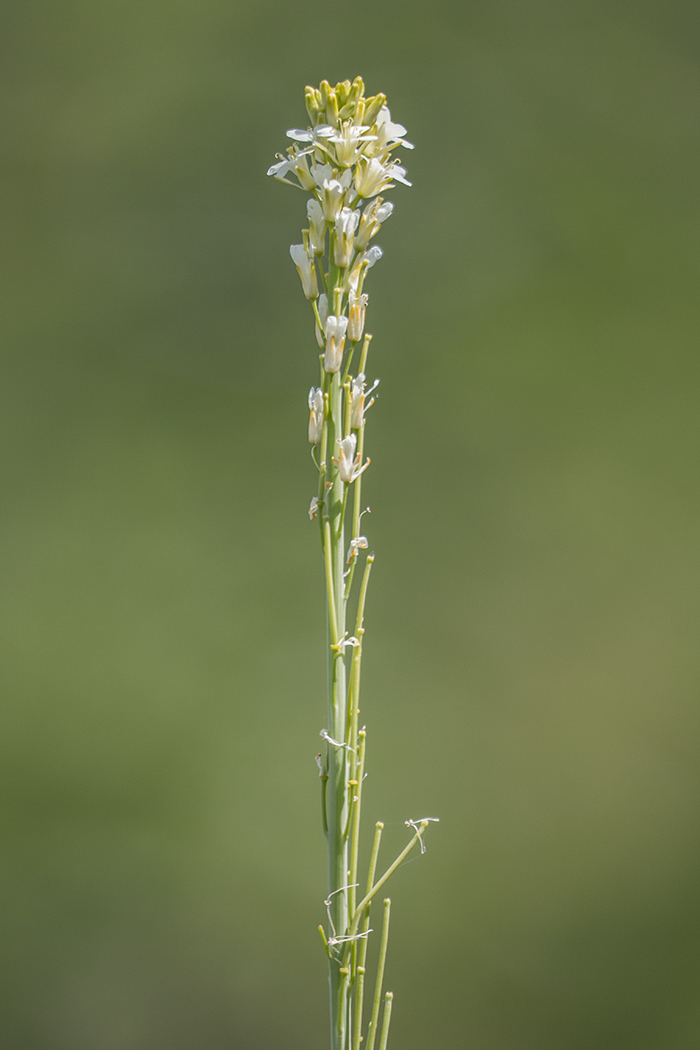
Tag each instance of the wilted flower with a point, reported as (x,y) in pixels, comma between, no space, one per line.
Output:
(356,545)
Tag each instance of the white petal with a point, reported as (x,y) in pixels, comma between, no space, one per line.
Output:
(299,135)
(399,173)
(298,254)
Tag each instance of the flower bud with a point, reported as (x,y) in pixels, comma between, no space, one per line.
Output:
(316,415)
(332,108)
(373,107)
(336,328)
(312,98)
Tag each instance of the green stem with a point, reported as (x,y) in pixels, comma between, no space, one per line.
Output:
(372,1030)
(387,875)
(359,1002)
(338,766)
(386,1021)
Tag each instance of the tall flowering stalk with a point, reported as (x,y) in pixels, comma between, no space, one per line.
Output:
(344,160)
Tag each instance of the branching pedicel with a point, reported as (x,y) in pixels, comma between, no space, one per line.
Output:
(344,159)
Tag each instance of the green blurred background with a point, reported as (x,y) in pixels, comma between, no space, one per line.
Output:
(531,666)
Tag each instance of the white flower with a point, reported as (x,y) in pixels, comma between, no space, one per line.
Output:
(335,342)
(343,237)
(356,315)
(315,135)
(321,173)
(315,415)
(389,135)
(296,162)
(313,508)
(358,404)
(317,226)
(399,174)
(322,307)
(306,268)
(349,143)
(372,176)
(332,194)
(348,462)
(376,212)
(363,263)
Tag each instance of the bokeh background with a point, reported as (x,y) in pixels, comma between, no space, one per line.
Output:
(532,660)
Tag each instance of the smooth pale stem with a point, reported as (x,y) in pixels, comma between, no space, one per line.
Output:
(328,552)
(357,803)
(359,1002)
(362,954)
(356,511)
(358,485)
(354,685)
(348,407)
(386,1021)
(363,355)
(335,495)
(379,827)
(372,1030)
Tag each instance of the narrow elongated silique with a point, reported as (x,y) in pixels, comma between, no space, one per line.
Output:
(344,160)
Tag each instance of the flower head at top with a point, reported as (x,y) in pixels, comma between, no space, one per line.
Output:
(348,134)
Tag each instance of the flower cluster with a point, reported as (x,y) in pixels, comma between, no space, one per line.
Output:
(344,160)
